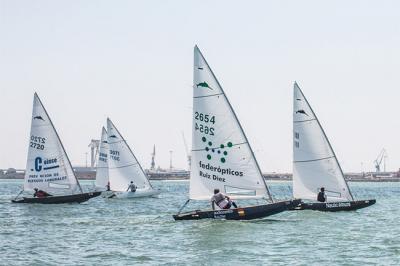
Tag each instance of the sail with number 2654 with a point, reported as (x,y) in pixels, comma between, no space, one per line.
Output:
(222,157)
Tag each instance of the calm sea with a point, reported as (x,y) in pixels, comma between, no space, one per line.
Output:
(142,231)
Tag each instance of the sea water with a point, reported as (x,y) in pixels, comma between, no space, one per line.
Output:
(142,231)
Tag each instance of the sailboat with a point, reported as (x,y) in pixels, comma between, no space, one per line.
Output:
(102,163)
(221,154)
(124,168)
(48,167)
(315,164)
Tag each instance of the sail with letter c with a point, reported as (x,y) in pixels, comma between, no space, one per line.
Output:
(48,167)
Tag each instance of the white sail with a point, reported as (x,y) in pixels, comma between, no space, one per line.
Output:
(102,162)
(122,163)
(221,155)
(314,162)
(48,167)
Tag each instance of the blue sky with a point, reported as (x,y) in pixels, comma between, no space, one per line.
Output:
(132,61)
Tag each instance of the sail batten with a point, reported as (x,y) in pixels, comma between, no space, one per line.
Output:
(315,164)
(221,155)
(123,165)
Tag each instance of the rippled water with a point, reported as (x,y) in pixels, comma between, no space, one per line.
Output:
(142,231)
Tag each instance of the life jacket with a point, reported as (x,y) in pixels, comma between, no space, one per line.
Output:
(220,200)
(321,197)
(40,194)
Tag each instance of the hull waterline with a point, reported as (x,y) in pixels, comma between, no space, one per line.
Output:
(335,206)
(76,198)
(128,195)
(244,213)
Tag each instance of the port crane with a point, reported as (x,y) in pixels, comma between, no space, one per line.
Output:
(188,155)
(153,156)
(94,150)
(381,159)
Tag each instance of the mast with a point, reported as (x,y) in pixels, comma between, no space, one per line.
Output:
(240,126)
(62,146)
(329,144)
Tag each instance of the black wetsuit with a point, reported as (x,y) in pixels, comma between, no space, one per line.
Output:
(321,196)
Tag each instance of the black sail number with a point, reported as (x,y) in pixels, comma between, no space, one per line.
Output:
(204,118)
(204,129)
(37,142)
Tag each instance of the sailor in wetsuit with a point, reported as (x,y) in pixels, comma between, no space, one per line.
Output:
(108,186)
(132,187)
(321,195)
(40,194)
(221,200)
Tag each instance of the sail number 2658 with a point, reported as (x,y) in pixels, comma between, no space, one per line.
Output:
(206,129)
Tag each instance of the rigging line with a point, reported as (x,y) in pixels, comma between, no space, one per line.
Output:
(304,120)
(124,166)
(183,206)
(306,161)
(216,148)
(208,95)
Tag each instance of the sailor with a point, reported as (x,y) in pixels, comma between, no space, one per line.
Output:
(132,187)
(108,186)
(40,193)
(321,195)
(221,200)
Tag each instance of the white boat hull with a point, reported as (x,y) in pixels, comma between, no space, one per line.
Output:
(127,194)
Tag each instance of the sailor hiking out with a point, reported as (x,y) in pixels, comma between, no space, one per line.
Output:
(41,194)
(221,200)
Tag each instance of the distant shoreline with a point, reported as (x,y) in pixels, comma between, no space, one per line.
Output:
(375,180)
(89,173)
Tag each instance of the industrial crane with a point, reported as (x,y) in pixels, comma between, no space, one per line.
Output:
(381,159)
(189,156)
(153,156)
(94,150)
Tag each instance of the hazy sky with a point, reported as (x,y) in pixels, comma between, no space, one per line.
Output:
(132,61)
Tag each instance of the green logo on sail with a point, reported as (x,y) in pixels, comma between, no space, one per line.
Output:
(219,150)
(204,85)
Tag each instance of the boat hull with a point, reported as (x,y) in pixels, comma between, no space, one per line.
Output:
(335,206)
(244,213)
(76,198)
(128,195)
